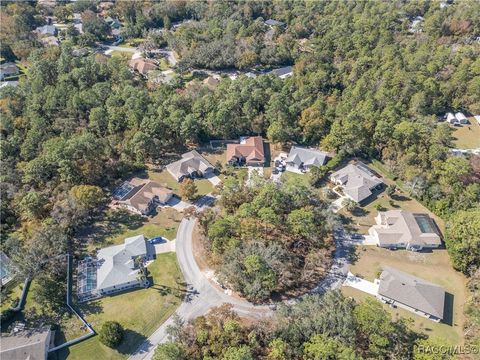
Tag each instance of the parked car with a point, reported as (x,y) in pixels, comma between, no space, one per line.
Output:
(357,236)
(156,240)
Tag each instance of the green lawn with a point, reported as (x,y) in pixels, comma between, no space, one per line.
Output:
(204,186)
(435,267)
(467,136)
(139,311)
(12,291)
(164,178)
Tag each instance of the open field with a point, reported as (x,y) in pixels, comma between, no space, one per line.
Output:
(434,267)
(467,136)
(139,311)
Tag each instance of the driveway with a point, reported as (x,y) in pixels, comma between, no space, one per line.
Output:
(167,246)
(200,297)
(361,284)
(214,179)
(178,204)
(337,205)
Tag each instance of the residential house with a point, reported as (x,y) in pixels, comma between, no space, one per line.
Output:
(5,269)
(249,152)
(8,69)
(211,82)
(271,23)
(283,72)
(115,268)
(411,293)
(4,84)
(26,345)
(49,30)
(402,229)
(358,181)
(49,41)
(302,159)
(143,66)
(143,196)
(191,165)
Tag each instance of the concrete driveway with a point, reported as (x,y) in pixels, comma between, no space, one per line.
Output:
(178,204)
(336,205)
(361,284)
(214,179)
(168,246)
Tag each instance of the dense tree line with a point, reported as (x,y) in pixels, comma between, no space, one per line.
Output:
(365,87)
(268,238)
(319,327)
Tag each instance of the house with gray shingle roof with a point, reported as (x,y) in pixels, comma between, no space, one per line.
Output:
(302,159)
(358,182)
(412,293)
(46,30)
(26,345)
(282,72)
(115,268)
(191,165)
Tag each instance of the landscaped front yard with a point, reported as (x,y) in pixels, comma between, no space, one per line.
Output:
(434,267)
(140,312)
(164,178)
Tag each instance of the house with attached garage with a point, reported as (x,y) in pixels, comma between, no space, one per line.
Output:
(357,182)
(8,69)
(402,229)
(249,152)
(115,268)
(283,72)
(302,159)
(191,165)
(411,293)
(142,196)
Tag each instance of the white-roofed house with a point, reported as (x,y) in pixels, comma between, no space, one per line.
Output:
(303,159)
(461,118)
(116,268)
(451,119)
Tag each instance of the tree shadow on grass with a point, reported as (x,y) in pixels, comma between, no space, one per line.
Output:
(90,308)
(131,341)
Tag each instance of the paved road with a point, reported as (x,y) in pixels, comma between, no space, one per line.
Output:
(201,294)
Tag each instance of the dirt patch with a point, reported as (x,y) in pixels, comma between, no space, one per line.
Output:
(199,251)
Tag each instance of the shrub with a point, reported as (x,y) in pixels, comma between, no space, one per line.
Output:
(111,334)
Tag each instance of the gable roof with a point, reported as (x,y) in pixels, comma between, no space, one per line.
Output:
(190,163)
(144,193)
(46,30)
(357,180)
(282,71)
(251,149)
(211,82)
(271,22)
(412,291)
(116,265)
(143,66)
(9,68)
(400,226)
(305,156)
(25,345)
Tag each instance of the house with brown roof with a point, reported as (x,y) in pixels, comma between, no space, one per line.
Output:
(402,229)
(411,293)
(142,196)
(143,66)
(248,152)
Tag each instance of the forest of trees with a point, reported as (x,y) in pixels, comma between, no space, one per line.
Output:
(267,238)
(367,87)
(319,327)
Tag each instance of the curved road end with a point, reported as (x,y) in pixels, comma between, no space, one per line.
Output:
(201,294)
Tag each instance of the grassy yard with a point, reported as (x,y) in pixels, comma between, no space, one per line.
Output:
(434,267)
(12,291)
(467,136)
(140,312)
(164,178)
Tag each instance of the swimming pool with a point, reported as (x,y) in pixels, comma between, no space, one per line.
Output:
(425,224)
